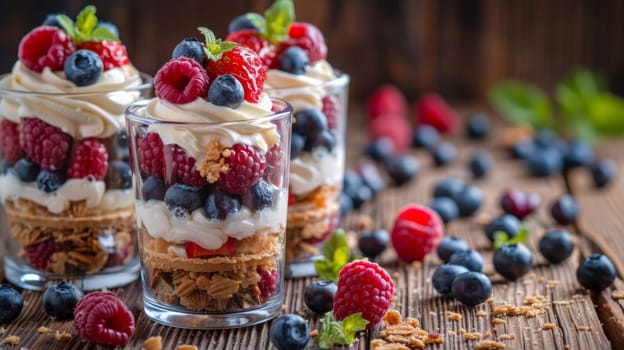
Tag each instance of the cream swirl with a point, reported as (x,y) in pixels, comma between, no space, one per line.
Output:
(88,111)
(214,123)
(313,169)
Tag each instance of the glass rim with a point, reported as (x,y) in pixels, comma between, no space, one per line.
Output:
(131,115)
(341,80)
(147,83)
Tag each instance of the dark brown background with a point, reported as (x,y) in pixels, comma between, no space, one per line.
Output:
(457,47)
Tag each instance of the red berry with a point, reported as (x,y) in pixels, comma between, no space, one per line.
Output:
(268,282)
(151,159)
(332,111)
(273,170)
(9,141)
(520,204)
(40,254)
(102,318)
(245,166)
(184,166)
(245,65)
(432,110)
(309,38)
(387,99)
(89,160)
(45,144)
(365,287)
(181,80)
(45,47)
(112,53)
(252,39)
(392,126)
(416,232)
(194,250)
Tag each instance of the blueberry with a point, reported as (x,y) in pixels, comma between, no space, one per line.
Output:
(50,181)
(380,149)
(52,21)
(545,162)
(4,166)
(241,22)
(472,288)
(469,200)
(346,204)
(373,243)
(25,170)
(478,126)
(359,195)
(565,210)
(445,207)
(556,245)
(121,146)
(83,67)
(513,260)
(309,122)
(578,153)
(12,303)
(449,245)
(506,223)
(226,91)
(545,138)
(191,48)
(319,296)
(523,149)
(220,205)
(444,276)
(480,164)
(402,169)
(444,153)
(188,198)
(59,301)
(351,181)
(324,139)
(110,26)
(153,188)
(289,332)
(297,143)
(371,177)
(470,259)
(293,60)
(425,136)
(118,175)
(596,272)
(449,187)
(259,196)
(603,172)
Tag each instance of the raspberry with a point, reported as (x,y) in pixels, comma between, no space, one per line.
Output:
(309,38)
(184,166)
(102,318)
(245,166)
(332,110)
(245,65)
(268,282)
(432,110)
(9,141)
(45,144)
(365,287)
(181,80)
(40,254)
(333,223)
(387,99)
(394,127)
(45,47)
(252,39)
(89,160)
(417,231)
(112,53)
(151,158)
(273,171)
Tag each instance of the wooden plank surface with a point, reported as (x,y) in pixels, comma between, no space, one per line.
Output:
(565,305)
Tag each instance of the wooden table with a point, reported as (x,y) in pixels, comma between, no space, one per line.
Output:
(576,317)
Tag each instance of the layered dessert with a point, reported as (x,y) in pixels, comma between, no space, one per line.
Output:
(211,180)
(65,179)
(294,54)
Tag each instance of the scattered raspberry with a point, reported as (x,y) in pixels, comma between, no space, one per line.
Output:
(102,318)
(245,167)
(252,39)
(268,282)
(273,171)
(181,80)
(151,159)
(9,141)
(40,254)
(245,65)
(387,99)
(45,144)
(45,47)
(112,53)
(365,287)
(394,127)
(432,110)
(416,232)
(184,166)
(309,38)
(89,160)
(332,110)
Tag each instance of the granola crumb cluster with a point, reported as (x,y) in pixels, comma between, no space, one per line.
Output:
(404,334)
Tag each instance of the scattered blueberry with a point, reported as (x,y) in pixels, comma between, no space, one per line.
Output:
(506,223)
(297,143)
(545,162)
(523,149)
(425,136)
(449,245)
(480,164)
(596,272)
(346,204)
(4,166)
(293,60)
(180,196)
(83,67)
(25,170)
(444,153)
(59,301)
(520,204)
(153,188)
(545,138)
(564,210)
(373,243)
(52,21)
(122,146)
(472,288)
(259,196)
(319,296)
(578,153)
(325,139)
(289,332)
(603,172)
(402,169)
(556,245)
(226,91)
(444,276)
(50,181)
(469,200)
(478,126)
(110,26)
(241,22)
(118,175)
(12,303)
(309,122)
(470,259)
(445,207)
(371,177)
(191,48)
(220,205)
(513,260)
(449,187)
(380,149)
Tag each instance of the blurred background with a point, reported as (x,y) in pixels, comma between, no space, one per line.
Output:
(459,48)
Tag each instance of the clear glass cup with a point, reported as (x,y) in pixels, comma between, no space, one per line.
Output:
(316,171)
(62,225)
(211,258)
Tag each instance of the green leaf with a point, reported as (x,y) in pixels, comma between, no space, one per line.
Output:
(576,91)
(67,24)
(103,34)
(86,20)
(343,332)
(258,21)
(501,237)
(213,47)
(335,255)
(353,324)
(606,114)
(278,19)
(522,103)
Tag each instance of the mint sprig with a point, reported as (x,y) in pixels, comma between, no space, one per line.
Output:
(501,237)
(275,22)
(343,332)
(336,254)
(86,27)
(213,47)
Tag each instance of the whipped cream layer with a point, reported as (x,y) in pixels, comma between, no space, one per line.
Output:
(160,222)
(194,138)
(87,111)
(285,85)
(93,192)
(313,169)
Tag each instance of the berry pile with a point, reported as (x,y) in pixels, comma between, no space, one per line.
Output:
(452,198)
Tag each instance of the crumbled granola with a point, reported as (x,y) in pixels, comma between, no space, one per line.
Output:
(481,313)
(617,295)
(187,347)
(213,163)
(489,345)
(11,340)
(404,334)
(547,326)
(453,316)
(153,343)
(62,336)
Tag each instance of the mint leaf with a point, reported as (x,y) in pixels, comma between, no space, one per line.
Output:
(501,237)
(352,324)
(522,103)
(606,114)
(86,20)
(67,24)
(103,34)
(86,28)
(343,332)
(575,93)
(335,255)
(213,47)
(278,19)
(258,21)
